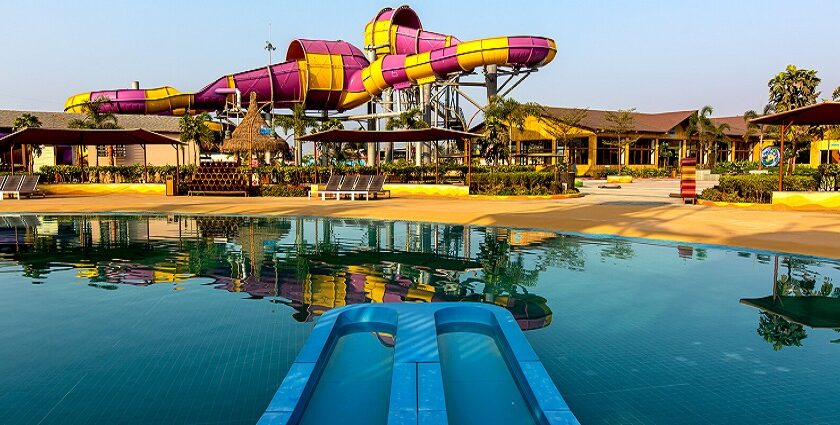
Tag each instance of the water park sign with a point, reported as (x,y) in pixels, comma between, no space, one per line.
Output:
(770,156)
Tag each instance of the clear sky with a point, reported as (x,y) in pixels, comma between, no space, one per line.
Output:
(655,55)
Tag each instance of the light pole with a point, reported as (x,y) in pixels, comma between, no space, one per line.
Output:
(270,48)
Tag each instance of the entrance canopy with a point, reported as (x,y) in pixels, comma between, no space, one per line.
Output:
(395,136)
(826,113)
(83,137)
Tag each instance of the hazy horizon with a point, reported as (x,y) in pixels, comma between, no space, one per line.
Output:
(653,56)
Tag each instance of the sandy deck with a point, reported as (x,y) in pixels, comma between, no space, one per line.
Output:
(813,233)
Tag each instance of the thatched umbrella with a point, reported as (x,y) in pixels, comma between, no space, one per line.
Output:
(248,136)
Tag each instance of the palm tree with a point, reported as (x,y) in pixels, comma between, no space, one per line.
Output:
(836,95)
(337,150)
(411,119)
(718,136)
(97,117)
(195,129)
(23,121)
(790,89)
(501,115)
(698,124)
(297,122)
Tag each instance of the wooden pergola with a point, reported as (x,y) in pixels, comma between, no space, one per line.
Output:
(92,137)
(433,134)
(826,113)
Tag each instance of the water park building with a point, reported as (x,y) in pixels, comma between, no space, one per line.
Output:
(167,126)
(661,141)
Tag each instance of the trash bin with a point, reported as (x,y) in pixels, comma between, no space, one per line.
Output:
(170,185)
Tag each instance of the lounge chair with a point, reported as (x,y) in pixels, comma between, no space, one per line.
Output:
(29,187)
(332,185)
(11,186)
(346,186)
(376,187)
(360,188)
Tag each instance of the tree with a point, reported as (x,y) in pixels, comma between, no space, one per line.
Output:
(500,117)
(195,129)
(836,95)
(779,332)
(297,122)
(338,150)
(563,124)
(411,119)
(96,116)
(698,125)
(790,89)
(23,121)
(717,136)
(622,124)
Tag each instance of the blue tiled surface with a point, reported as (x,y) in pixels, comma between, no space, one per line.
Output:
(637,332)
(416,387)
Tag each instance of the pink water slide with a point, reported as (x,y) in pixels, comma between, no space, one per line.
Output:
(335,75)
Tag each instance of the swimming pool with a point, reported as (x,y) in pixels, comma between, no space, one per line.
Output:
(174,319)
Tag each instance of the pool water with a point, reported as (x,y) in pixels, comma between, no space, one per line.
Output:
(355,384)
(477,382)
(173,319)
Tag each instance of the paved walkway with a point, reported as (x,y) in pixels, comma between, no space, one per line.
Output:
(649,215)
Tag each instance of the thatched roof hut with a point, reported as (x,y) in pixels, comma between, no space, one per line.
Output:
(248,136)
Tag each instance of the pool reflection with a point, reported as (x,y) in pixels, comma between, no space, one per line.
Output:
(308,264)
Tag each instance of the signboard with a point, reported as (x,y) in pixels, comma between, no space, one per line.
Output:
(770,156)
(834,145)
(265,131)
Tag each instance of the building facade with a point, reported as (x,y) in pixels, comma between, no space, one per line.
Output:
(103,155)
(661,142)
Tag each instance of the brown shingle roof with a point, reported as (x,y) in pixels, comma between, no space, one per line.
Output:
(156,123)
(596,120)
(737,125)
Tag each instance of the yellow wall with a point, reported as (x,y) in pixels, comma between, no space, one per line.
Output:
(537,129)
(815,149)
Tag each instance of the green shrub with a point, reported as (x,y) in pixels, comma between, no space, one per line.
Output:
(715,194)
(734,167)
(644,172)
(527,183)
(759,187)
(828,176)
(107,173)
(282,190)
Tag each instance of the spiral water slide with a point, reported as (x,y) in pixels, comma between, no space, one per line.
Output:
(335,75)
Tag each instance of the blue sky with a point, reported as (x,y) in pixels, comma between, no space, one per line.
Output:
(652,55)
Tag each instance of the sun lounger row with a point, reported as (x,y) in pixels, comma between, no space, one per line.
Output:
(354,185)
(18,185)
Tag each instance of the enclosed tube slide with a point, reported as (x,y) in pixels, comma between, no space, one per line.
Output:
(335,75)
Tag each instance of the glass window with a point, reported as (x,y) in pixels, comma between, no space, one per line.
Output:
(829,157)
(669,153)
(741,151)
(579,150)
(119,151)
(803,156)
(722,152)
(606,154)
(641,152)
